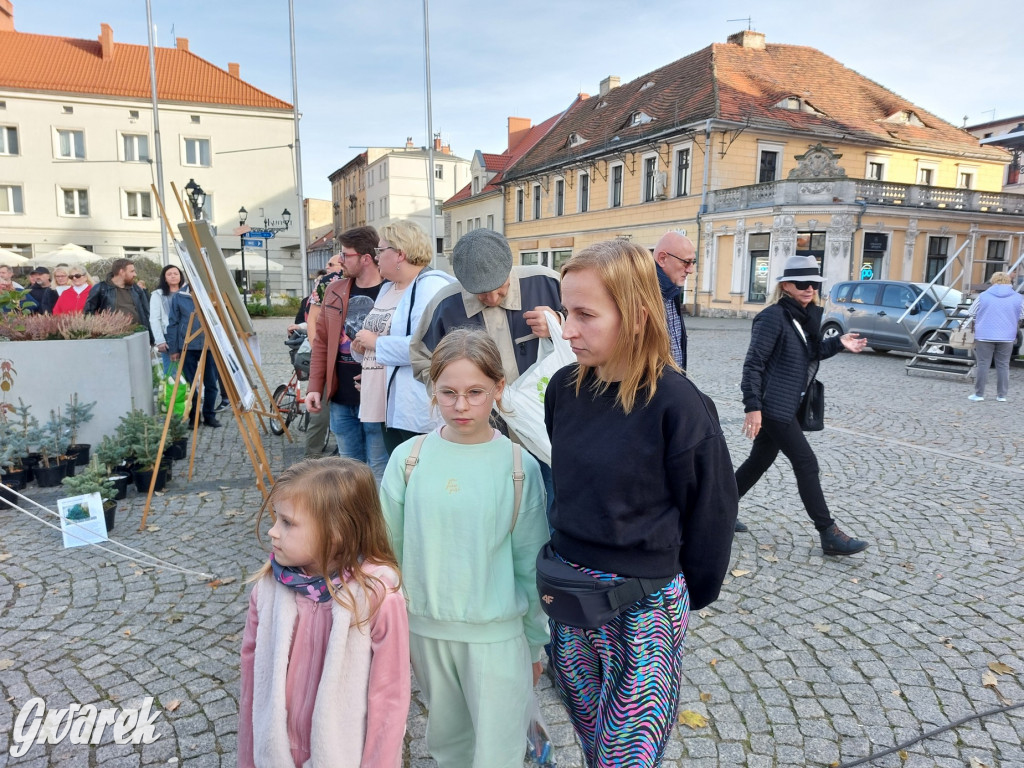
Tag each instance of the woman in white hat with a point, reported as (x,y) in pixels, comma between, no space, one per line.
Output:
(785,350)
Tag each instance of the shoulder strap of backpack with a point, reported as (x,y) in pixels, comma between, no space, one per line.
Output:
(414,457)
(518,476)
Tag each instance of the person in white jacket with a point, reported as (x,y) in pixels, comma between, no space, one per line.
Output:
(389,393)
(160,309)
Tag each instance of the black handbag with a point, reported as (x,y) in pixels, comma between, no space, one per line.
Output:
(577,599)
(811,413)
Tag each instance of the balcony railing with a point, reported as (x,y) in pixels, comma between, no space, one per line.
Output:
(847,191)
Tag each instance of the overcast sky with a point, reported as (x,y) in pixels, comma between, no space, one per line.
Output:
(360,64)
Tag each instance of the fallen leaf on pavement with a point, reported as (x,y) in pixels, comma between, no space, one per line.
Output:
(769,547)
(705,697)
(714,662)
(855,581)
(770,558)
(172,705)
(976,763)
(823,628)
(988,679)
(201,495)
(739,572)
(693,719)
(999,668)
(152,528)
(6,664)
(904,755)
(5,556)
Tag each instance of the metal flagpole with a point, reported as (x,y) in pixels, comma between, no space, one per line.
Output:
(298,152)
(430,136)
(165,257)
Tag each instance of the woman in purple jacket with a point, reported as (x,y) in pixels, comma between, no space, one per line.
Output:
(997,314)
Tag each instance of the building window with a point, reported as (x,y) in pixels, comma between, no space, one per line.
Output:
(616,187)
(536,201)
(11,200)
(584,192)
(490,221)
(965,180)
(208,209)
(938,250)
(876,167)
(437,206)
(650,178)
(926,173)
(369,211)
(438,171)
(476,225)
(458,230)
(76,202)
(369,180)
(757,283)
(995,258)
(197,152)
(875,246)
(194,119)
(469,225)
(519,204)
(528,258)
(559,197)
(476,184)
(136,147)
(383,170)
(8,140)
(558,258)
(876,171)
(133,114)
(682,185)
(68,110)
(138,205)
(768,166)
(71,144)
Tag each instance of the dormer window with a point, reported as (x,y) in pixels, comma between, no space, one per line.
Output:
(796,104)
(648,84)
(639,118)
(905,116)
(601,104)
(574,140)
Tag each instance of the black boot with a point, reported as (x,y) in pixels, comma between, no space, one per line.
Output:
(835,542)
(741,527)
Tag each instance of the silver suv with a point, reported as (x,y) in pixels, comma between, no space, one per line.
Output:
(873,308)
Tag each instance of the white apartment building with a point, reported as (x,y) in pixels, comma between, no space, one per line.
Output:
(78,149)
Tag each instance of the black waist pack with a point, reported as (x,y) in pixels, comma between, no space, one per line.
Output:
(576,599)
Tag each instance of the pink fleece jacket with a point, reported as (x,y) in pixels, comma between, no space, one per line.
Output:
(387,687)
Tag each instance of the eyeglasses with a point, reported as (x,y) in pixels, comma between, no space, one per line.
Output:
(75,277)
(476,396)
(687,262)
(803,285)
(378,251)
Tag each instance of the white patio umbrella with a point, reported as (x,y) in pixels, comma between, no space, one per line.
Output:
(12,259)
(69,253)
(253,263)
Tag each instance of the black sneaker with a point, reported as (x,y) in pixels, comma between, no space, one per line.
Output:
(741,527)
(835,542)
(211,421)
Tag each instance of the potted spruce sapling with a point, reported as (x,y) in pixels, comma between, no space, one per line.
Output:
(93,479)
(110,453)
(143,437)
(177,439)
(52,440)
(26,428)
(12,454)
(75,415)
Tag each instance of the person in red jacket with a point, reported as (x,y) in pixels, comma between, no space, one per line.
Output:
(74,298)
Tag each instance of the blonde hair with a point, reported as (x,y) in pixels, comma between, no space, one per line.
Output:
(999,278)
(778,293)
(339,497)
(467,344)
(408,238)
(628,274)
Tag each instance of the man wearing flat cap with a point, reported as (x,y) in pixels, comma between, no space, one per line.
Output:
(41,297)
(507,302)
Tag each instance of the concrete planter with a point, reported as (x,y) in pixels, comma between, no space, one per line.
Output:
(116,373)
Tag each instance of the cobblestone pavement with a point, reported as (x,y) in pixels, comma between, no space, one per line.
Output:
(803,661)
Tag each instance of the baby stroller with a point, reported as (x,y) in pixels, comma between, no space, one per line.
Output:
(299,351)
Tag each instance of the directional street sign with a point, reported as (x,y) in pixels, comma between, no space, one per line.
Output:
(260,233)
(252,242)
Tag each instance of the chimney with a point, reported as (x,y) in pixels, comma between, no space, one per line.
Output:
(6,16)
(181,43)
(748,38)
(518,127)
(446,149)
(409,144)
(610,82)
(233,69)
(437,143)
(106,42)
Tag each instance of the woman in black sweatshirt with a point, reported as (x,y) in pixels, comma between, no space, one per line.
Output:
(785,350)
(643,488)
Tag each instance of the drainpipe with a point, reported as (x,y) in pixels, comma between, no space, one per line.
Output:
(703,209)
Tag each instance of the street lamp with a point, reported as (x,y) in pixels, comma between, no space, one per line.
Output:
(196,198)
(286,219)
(242,216)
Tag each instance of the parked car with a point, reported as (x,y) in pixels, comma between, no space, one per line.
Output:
(873,308)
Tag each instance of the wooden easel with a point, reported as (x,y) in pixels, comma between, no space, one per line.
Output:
(245,419)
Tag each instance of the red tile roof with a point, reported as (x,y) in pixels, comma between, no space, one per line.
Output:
(322,241)
(728,82)
(501,163)
(67,65)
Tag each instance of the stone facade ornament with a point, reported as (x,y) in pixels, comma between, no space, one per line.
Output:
(818,162)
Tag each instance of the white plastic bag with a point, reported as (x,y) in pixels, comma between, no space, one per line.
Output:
(523,400)
(539,749)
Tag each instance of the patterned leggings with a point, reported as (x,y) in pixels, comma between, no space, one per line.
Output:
(620,683)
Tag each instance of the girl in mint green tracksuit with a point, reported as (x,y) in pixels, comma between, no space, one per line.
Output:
(468,561)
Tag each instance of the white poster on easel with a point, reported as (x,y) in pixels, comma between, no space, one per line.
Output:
(81,520)
(218,336)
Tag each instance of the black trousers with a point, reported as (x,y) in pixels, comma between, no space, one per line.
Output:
(209,380)
(787,437)
(394,437)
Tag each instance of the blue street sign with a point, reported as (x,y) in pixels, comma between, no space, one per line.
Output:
(260,233)
(252,242)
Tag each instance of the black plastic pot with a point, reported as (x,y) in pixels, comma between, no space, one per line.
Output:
(69,467)
(109,510)
(120,482)
(47,477)
(177,450)
(143,476)
(15,478)
(29,462)
(80,453)
(7,498)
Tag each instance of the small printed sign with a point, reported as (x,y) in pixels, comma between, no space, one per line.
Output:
(81,520)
